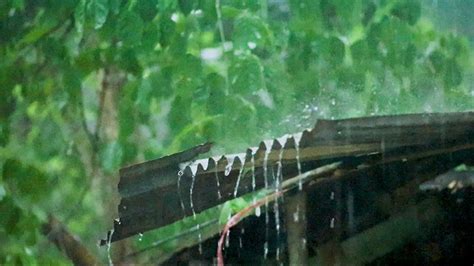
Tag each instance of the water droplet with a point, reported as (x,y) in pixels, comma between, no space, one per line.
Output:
(140,236)
(258,211)
(296,217)
(175,17)
(332,222)
(118,220)
(227,241)
(251,45)
(332,195)
(303,241)
(265,250)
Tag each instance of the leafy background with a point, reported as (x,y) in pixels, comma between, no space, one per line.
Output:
(89,86)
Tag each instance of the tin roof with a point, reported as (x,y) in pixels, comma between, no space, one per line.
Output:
(159,192)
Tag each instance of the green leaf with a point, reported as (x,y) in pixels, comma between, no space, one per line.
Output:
(4,132)
(180,113)
(130,28)
(18,4)
(166,5)
(438,61)
(333,50)
(26,180)
(143,95)
(231,207)
(3,193)
(79,16)
(216,100)
(229,12)
(251,32)
(226,213)
(407,10)
(453,75)
(111,156)
(99,10)
(246,74)
(11,214)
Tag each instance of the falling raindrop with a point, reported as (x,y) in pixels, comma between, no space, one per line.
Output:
(252,160)
(258,211)
(140,236)
(277,217)
(332,195)
(296,214)
(332,222)
(265,250)
(227,239)
(350,211)
(219,196)
(296,217)
(198,227)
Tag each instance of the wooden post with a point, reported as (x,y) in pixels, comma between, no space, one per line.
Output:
(295,221)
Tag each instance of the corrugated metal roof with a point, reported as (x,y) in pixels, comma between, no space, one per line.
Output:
(153,193)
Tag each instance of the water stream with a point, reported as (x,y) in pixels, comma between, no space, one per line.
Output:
(297,138)
(278,180)
(191,203)
(180,174)
(219,196)
(242,160)
(268,147)
(109,242)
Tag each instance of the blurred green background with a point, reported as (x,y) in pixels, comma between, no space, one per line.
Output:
(92,85)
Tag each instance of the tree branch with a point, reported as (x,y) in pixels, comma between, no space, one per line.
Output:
(69,244)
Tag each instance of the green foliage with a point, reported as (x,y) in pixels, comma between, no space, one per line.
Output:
(181,73)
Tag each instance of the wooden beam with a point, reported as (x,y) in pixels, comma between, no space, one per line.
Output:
(383,238)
